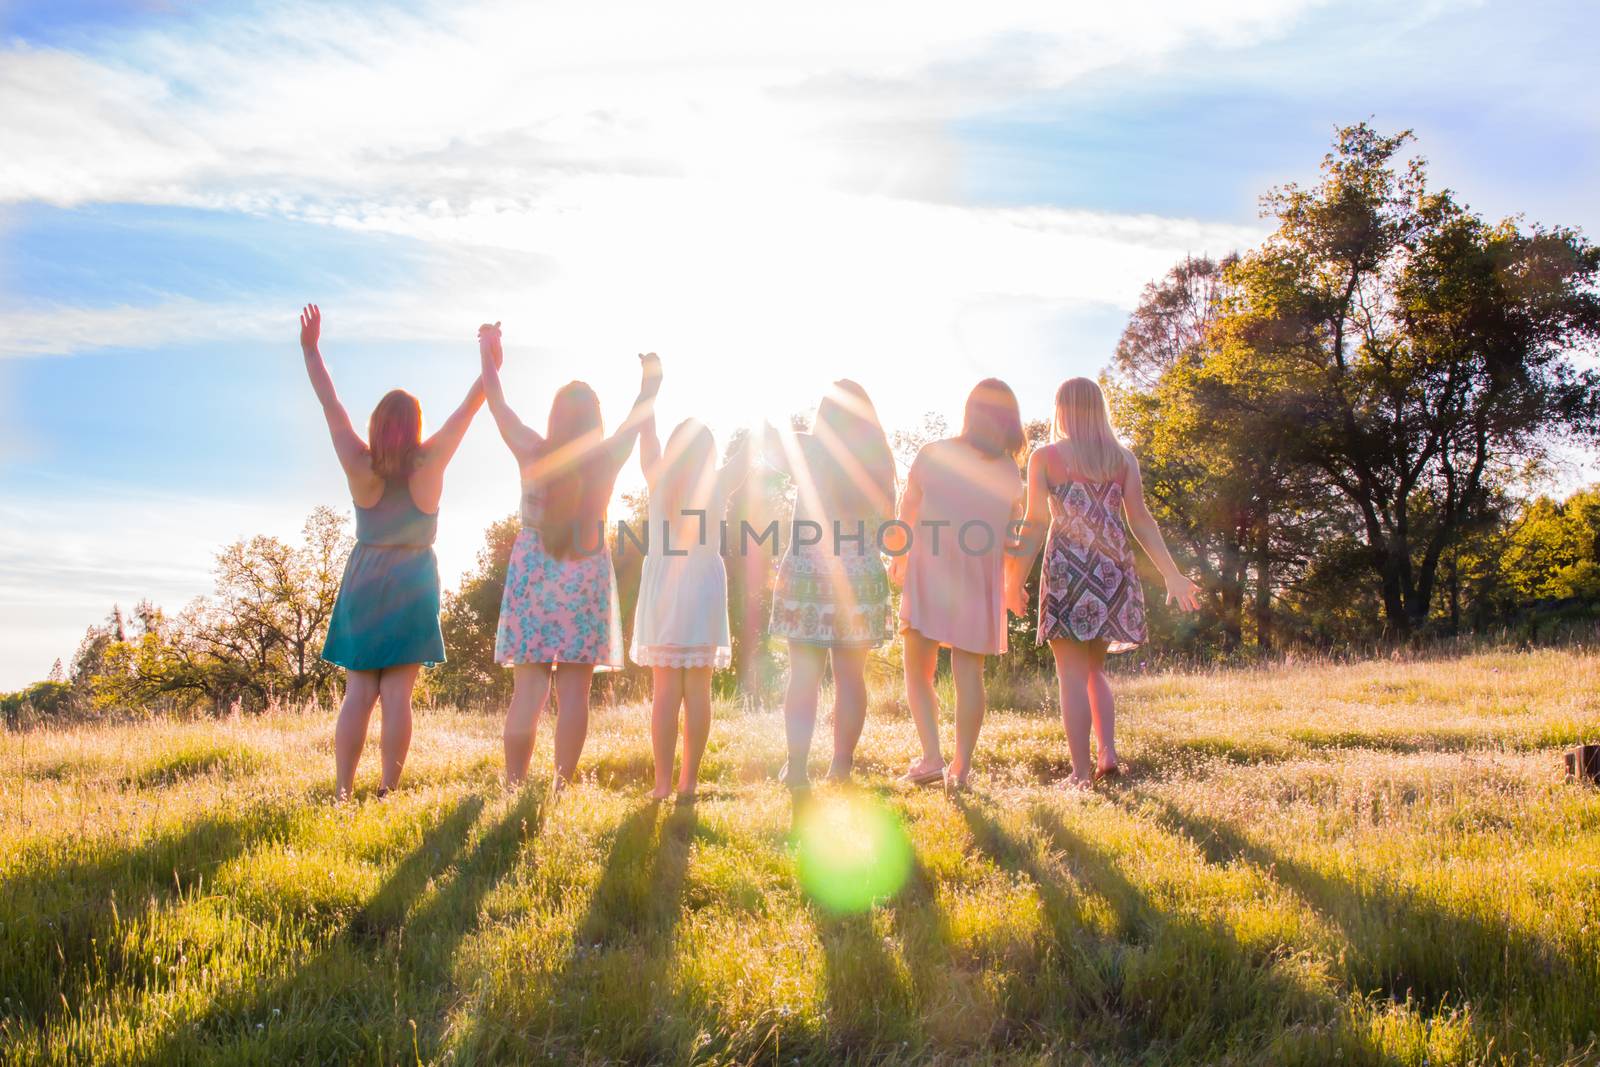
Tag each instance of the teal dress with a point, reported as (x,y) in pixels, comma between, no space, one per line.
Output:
(387,613)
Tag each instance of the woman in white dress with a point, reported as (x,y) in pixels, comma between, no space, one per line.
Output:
(680,627)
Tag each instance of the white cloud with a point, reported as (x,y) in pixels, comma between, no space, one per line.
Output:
(307,105)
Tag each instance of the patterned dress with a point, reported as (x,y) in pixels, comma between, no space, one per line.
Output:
(833,600)
(557,610)
(1089,590)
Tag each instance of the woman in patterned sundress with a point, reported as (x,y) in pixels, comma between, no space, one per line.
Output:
(1081,486)
(559,616)
(832,596)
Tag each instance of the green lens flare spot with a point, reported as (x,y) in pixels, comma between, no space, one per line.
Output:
(851,853)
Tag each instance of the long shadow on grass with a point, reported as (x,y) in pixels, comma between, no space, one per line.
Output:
(356,995)
(1408,947)
(59,920)
(876,1005)
(1165,985)
(612,996)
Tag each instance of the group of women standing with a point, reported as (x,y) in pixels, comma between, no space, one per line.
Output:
(962,537)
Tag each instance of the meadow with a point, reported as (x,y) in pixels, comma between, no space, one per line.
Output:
(1368,863)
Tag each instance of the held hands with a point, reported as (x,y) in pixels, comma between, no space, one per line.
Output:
(649,372)
(489,344)
(897,570)
(310,326)
(1182,592)
(1016,599)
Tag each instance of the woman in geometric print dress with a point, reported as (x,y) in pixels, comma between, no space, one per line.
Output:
(1081,486)
(559,617)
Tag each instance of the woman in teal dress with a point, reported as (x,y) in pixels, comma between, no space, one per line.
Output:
(385,624)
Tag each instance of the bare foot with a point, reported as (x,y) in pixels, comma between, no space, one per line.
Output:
(661,792)
(1075,783)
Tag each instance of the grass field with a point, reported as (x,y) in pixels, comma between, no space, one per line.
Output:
(1373,863)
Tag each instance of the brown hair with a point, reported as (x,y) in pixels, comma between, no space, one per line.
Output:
(688,467)
(394,435)
(572,467)
(992,422)
(856,451)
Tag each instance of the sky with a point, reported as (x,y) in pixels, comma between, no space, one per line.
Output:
(770,196)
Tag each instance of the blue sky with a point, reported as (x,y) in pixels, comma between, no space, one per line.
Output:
(770,199)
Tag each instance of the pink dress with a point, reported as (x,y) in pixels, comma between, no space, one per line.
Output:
(955,572)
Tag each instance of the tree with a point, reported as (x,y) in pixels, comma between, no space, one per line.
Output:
(469,677)
(1409,352)
(1217,478)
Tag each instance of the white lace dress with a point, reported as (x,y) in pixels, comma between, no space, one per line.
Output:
(682,616)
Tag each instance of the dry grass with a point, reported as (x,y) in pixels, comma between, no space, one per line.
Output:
(1371,863)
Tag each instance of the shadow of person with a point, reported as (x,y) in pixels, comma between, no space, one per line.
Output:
(1411,947)
(613,993)
(380,970)
(1157,982)
(75,907)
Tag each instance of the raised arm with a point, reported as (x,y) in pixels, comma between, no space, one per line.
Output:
(522,440)
(352,451)
(1142,524)
(649,449)
(438,449)
(780,448)
(620,444)
(732,474)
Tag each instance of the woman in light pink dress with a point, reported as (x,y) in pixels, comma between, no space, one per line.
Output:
(962,499)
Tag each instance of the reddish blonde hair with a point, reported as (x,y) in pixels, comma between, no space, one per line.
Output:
(573,467)
(394,435)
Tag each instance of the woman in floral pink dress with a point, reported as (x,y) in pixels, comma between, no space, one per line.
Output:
(1080,487)
(559,617)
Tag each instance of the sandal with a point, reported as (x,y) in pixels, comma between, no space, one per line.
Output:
(914,777)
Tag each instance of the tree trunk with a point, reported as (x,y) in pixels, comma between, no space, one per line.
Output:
(1230,579)
(1263,590)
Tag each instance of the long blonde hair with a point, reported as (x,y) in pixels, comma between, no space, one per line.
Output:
(1084,423)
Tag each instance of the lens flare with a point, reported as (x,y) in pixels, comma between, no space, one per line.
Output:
(851,853)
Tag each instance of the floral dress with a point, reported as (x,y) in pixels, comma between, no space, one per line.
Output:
(1089,590)
(557,610)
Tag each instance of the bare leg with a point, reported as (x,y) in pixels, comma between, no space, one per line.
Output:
(1101,706)
(922,663)
(849,707)
(394,689)
(696,725)
(800,705)
(572,716)
(666,695)
(350,729)
(1072,671)
(530,692)
(967,667)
